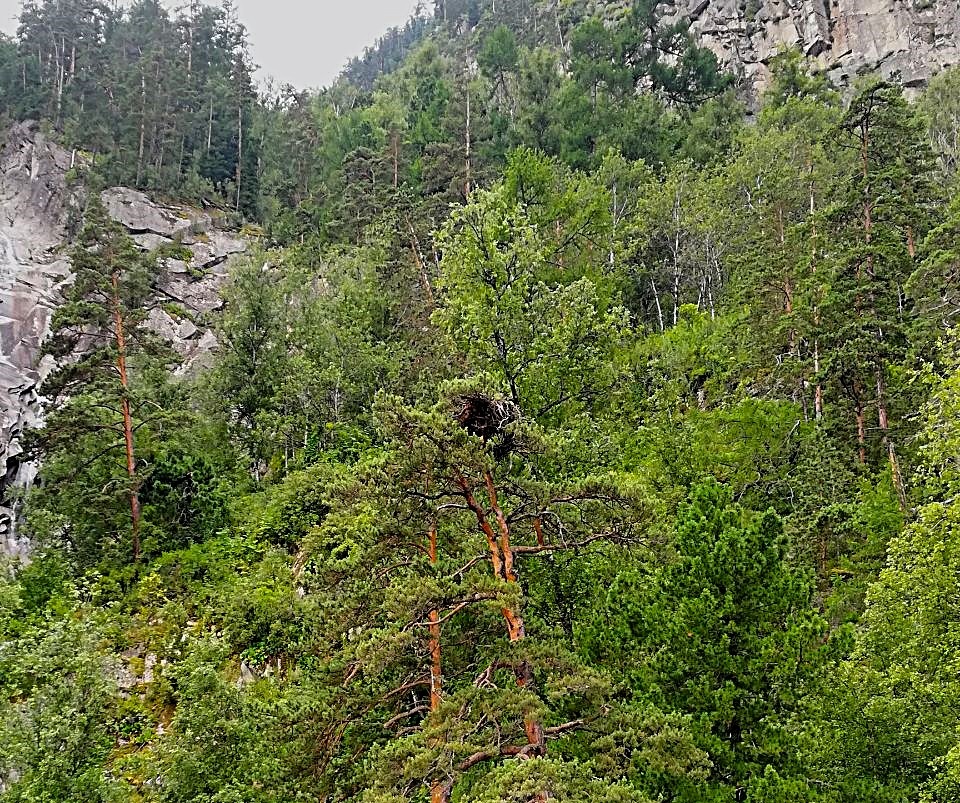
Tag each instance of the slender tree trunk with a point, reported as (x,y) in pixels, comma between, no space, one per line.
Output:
(469,146)
(143,126)
(239,150)
(61,72)
(884,422)
(183,148)
(556,16)
(439,789)
(538,531)
(676,261)
(614,219)
(424,278)
(868,239)
(656,298)
(436,666)
(861,430)
(127,417)
(210,127)
(395,136)
(193,17)
(516,628)
(818,388)
(559,241)
(502,563)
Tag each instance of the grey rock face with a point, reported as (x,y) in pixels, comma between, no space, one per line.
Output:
(36,205)
(141,216)
(189,291)
(910,40)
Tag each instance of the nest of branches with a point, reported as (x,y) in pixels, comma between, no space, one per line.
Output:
(490,419)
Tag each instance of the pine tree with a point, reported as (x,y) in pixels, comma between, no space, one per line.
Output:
(472,692)
(104,350)
(724,634)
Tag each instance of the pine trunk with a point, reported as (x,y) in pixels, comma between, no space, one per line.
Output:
(439,789)
(127,417)
(502,561)
(239,151)
(861,433)
(143,126)
(516,628)
(210,127)
(469,145)
(884,422)
(818,389)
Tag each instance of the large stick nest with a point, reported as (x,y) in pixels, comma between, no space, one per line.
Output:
(489,419)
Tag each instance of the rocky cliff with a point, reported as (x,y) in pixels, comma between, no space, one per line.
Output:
(911,40)
(37,205)
(189,291)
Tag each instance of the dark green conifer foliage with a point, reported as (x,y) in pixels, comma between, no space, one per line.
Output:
(725,634)
(877,214)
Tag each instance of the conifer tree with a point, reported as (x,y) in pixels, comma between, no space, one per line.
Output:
(877,212)
(428,563)
(724,634)
(885,721)
(104,350)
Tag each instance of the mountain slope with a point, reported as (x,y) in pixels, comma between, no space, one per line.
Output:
(568,434)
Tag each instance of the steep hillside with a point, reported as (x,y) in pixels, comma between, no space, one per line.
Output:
(901,39)
(563,406)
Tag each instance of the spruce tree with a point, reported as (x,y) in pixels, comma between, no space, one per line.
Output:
(877,214)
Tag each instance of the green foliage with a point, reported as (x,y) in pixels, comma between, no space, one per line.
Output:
(60,727)
(724,634)
(499,54)
(522,296)
(469,506)
(897,691)
(792,80)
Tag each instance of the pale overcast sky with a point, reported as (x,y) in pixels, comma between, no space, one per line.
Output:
(303,42)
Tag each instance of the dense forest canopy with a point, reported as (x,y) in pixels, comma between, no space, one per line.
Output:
(581,428)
